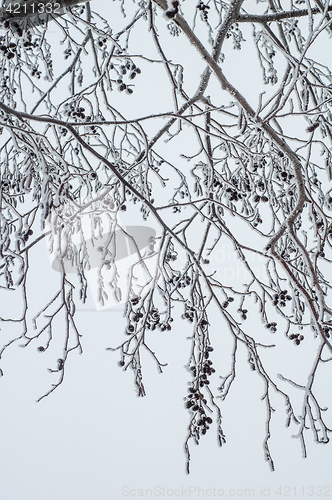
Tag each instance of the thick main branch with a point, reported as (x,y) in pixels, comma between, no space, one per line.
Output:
(277,16)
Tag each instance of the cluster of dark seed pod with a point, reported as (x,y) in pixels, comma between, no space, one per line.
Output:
(134,317)
(180,281)
(173,8)
(130,329)
(286,176)
(204,323)
(135,301)
(243,313)
(153,318)
(207,371)
(281,298)
(29,44)
(73,110)
(8,49)
(137,316)
(258,198)
(259,163)
(280,173)
(251,361)
(189,313)
(258,220)
(327,331)
(328,201)
(217,183)
(171,256)
(195,401)
(165,326)
(102,41)
(67,52)
(272,326)
(204,8)
(227,301)
(297,337)
(154,321)
(36,72)
(132,70)
(27,235)
(233,194)
(194,397)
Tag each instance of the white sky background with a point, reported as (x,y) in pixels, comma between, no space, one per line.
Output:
(93,436)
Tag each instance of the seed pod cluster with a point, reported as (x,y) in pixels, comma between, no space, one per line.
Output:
(74,110)
(327,331)
(279,299)
(243,313)
(131,70)
(195,401)
(272,326)
(180,281)
(173,8)
(189,313)
(204,9)
(227,301)
(297,337)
